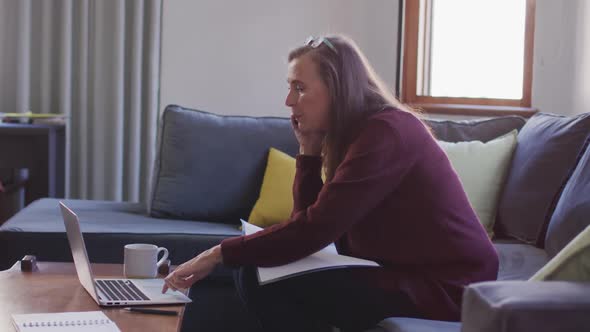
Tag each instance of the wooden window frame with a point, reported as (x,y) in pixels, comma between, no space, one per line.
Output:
(454,105)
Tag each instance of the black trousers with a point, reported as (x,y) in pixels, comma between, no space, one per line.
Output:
(319,301)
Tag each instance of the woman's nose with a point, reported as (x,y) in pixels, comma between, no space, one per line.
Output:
(290,100)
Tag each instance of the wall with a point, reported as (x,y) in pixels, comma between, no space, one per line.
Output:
(561,69)
(229,57)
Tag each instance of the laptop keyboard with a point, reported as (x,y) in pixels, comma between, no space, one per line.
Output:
(120,290)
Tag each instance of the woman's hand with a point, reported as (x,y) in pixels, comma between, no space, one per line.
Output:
(310,142)
(186,274)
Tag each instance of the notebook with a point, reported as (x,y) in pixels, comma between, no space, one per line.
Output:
(327,258)
(95,321)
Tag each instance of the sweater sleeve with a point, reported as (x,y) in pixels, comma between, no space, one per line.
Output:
(373,166)
(308,182)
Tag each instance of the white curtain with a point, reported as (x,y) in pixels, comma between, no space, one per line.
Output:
(96,61)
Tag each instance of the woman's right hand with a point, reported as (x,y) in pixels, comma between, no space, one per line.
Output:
(310,142)
(187,273)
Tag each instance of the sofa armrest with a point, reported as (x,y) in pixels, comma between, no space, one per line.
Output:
(507,306)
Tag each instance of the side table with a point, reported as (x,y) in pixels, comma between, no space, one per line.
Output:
(40,148)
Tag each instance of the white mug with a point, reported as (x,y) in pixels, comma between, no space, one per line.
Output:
(141,260)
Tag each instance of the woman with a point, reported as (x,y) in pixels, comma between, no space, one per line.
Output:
(390,196)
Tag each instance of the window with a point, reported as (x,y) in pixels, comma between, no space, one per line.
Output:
(468,56)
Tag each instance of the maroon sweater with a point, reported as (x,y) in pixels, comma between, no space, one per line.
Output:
(395,199)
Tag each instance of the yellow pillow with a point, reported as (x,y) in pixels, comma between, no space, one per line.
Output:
(276,194)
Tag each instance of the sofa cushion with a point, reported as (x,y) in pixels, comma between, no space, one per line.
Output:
(107,227)
(546,155)
(186,184)
(474,130)
(210,167)
(519,261)
(572,213)
(404,324)
(482,169)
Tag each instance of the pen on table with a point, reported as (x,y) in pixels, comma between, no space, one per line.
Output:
(152,311)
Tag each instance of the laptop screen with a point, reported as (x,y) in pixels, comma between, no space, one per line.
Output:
(78,248)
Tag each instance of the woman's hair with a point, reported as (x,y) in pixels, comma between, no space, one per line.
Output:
(356,92)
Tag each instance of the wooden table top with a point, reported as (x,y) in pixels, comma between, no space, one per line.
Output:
(54,287)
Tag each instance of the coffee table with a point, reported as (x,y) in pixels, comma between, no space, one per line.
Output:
(54,287)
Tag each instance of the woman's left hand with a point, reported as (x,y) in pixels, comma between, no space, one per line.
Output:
(189,272)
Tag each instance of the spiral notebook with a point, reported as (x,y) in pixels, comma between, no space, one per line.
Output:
(95,321)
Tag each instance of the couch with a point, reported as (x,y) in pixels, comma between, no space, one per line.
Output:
(207,175)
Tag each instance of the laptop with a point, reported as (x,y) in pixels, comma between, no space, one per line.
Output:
(113,291)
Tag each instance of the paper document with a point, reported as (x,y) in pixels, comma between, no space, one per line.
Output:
(327,258)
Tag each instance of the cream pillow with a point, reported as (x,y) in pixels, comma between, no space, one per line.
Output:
(572,263)
(482,169)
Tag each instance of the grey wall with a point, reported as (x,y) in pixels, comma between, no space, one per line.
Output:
(229,57)
(561,69)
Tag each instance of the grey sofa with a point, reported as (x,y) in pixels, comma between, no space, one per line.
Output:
(207,175)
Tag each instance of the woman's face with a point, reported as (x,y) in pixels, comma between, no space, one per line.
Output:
(308,96)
